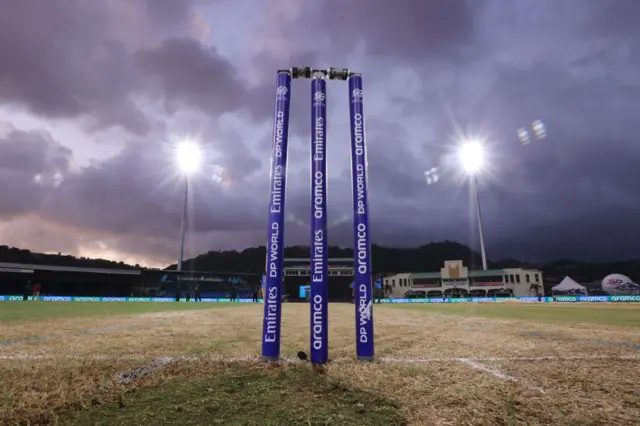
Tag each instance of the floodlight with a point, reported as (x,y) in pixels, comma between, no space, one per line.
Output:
(189,157)
(471,156)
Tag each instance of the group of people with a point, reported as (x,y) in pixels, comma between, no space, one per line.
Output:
(193,291)
(31,290)
(189,290)
(379,290)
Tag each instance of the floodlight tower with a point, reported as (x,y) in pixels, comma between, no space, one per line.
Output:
(189,158)
(471,155)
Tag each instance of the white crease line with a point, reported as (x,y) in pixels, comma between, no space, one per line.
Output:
(496,373)
(498,359)
(385,360)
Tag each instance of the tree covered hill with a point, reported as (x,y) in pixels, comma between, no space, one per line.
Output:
(426,258)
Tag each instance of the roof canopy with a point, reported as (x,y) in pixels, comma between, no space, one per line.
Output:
(568,284)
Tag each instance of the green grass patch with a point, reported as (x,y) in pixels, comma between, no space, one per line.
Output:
(594,313)
(292,396)
(38,310)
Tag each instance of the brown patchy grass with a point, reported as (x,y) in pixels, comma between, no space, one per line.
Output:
(73,387)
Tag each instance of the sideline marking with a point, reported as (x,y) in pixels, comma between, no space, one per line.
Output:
(576,340)
(496,373)
(77,333)
(292,360)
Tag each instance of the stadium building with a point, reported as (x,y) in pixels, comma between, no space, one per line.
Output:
(77,281)
(455,280)
(68,280)
(297,277)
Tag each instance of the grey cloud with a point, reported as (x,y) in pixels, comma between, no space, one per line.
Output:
(404,29)
(31,231)
(59,61)
(73,59)
(140,192)
(477,71)
(194,75)
(613,18)
(30,164)
(168,12)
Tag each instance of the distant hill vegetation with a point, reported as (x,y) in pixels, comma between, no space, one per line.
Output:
(386,260)
(16,255)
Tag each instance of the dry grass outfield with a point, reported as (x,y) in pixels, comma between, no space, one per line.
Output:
(433,368)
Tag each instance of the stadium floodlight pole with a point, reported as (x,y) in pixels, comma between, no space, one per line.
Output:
(183,223)
(189,157)
(474,185)
(472,159)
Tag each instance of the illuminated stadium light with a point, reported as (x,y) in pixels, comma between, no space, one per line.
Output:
(523,135)
(219,175)
(540,129)
(471,155)
(432,176)
(189,156)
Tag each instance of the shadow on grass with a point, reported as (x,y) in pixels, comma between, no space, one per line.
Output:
(288,396)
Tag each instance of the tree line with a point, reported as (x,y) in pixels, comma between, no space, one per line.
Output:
(385,260)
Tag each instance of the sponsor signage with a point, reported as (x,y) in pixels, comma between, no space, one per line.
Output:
(17,270)
(119,299)
(527,299)
(454,282)
(486,284)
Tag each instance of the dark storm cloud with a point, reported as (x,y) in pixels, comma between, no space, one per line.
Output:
(59,61)
(613,18)
(168,12)
(571,194)
(483,67)
(30,165)
(488,72)
(404,29)
(193,75)
(139,191)
(75,59)
(387,148)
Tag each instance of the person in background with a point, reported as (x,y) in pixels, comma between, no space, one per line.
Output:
(255,294)
(197,292)
(187,292)
(377,290)
(234,293)
(27,291)
(36,291)
(178,291)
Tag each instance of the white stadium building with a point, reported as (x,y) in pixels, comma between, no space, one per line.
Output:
(454,279)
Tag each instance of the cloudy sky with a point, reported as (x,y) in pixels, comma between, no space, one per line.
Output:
(95,94)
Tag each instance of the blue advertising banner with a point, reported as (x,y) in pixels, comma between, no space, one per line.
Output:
(529,299)
(120,299)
